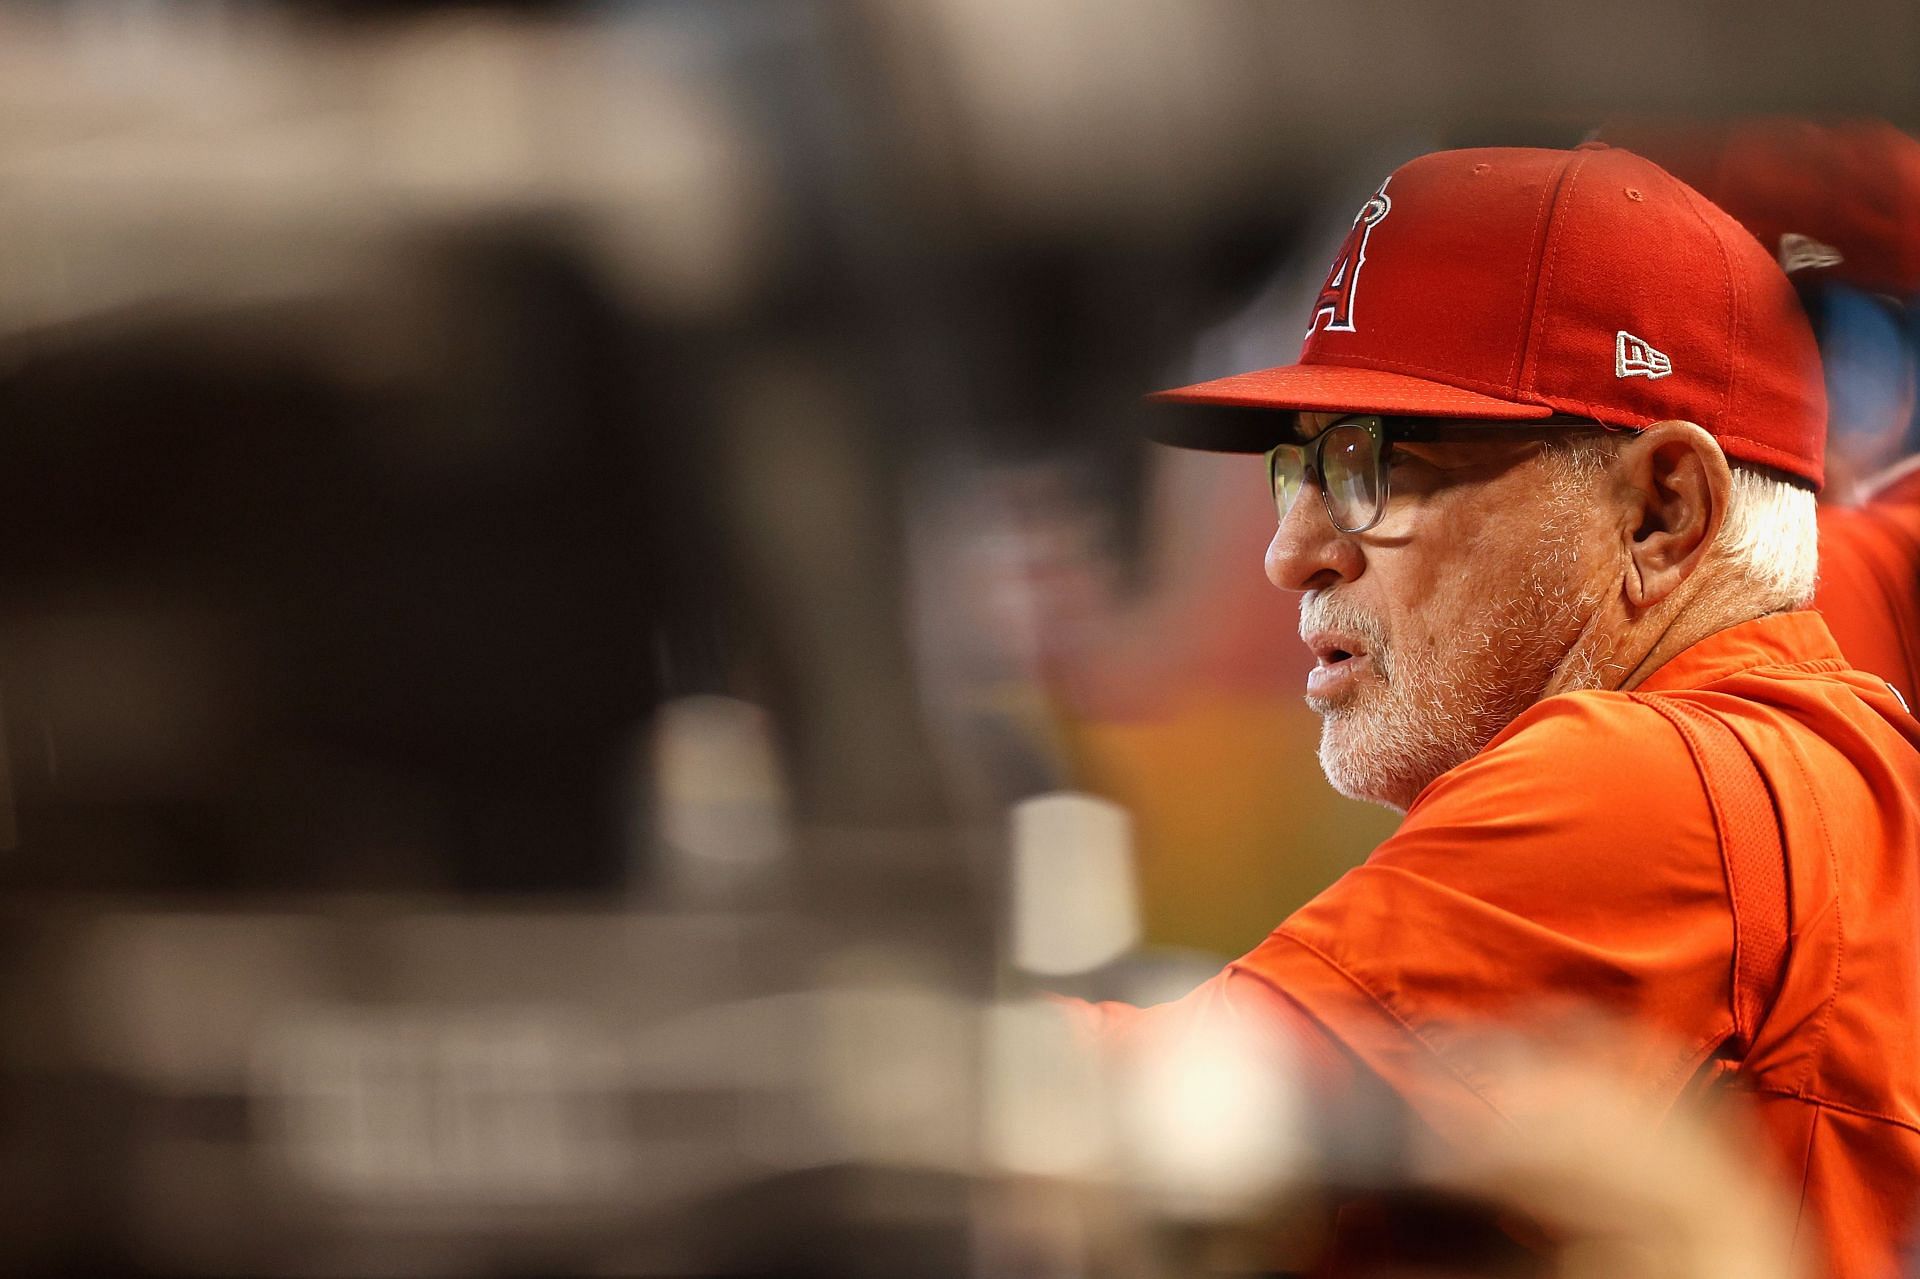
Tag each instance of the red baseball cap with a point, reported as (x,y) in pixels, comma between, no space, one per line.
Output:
(1837,201)
(1514,284)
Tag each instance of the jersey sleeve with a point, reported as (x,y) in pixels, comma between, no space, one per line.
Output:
(1570,868)
(1869,586)
(1266,1019)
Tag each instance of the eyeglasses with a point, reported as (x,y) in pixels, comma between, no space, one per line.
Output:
(1350,461)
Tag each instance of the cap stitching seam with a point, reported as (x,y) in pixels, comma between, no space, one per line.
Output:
(1543,285)
(1727,290)
(1549,195)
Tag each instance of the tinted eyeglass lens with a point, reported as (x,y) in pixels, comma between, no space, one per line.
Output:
(1350,474)
(1286,473)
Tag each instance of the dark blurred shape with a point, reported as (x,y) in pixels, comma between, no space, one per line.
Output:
(348,635)
(1415,1232)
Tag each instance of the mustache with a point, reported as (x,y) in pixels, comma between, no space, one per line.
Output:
(1324,612)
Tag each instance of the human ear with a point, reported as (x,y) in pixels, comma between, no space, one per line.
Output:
(1676,482)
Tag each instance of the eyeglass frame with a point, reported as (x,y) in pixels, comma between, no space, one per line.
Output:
(1388,429)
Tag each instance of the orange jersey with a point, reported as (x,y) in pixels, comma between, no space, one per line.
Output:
(1604,850)
(1870,581)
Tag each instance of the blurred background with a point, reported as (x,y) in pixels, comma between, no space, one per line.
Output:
(585,618)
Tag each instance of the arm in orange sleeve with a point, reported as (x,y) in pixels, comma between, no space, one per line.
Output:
(1247,1001)
(1573,863)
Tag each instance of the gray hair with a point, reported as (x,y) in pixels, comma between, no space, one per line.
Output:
(1769,539)
(1771,533)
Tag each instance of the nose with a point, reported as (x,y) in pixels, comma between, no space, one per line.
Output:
(1307,552)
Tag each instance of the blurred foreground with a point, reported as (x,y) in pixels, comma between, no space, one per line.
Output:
(585,625)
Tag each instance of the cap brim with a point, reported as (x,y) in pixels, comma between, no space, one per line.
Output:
(1241,414)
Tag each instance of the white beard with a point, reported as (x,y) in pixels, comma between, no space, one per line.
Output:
(1417,713)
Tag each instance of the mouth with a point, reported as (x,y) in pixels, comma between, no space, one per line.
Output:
(1338,660)
(1329,648)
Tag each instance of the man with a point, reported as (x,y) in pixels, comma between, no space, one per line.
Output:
(1544,476)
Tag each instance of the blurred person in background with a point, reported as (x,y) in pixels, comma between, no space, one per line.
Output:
(1545,477)
(1836,203)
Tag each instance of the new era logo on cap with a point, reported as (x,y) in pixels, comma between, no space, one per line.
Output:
(1803,252)
(1636,357)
